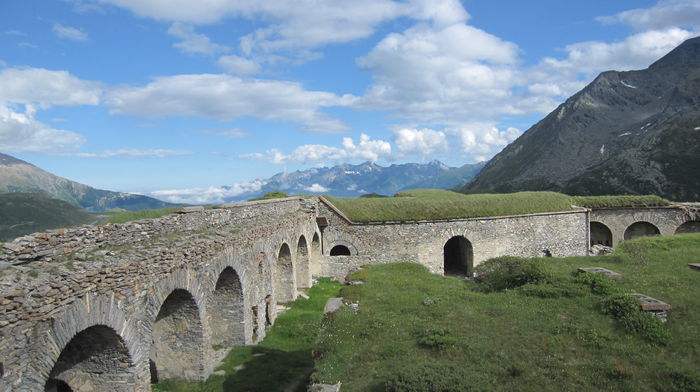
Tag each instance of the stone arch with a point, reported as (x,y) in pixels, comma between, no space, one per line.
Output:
(458,257)
(344,244)
(285,289)
(177,350)
(340,250)
(225,309)
(688,227)
(640,229)
(94,359)
(316,244)
(600,234)
(303,274)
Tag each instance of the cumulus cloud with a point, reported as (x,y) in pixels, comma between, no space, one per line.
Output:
(663,15)
(420,141)
(316,188)
(21,132)
(193,42)
(69,32)
(224,97)
(366,149)
(45,88)
(133,153)
(238,65)
(483,140)
(210,195)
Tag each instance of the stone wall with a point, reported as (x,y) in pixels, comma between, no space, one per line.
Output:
(557,234)
(65,287)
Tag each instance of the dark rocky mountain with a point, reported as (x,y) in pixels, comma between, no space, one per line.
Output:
(634,132)
(19,176)
(354,180)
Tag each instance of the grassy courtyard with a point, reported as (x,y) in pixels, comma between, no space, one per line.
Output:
(415,331)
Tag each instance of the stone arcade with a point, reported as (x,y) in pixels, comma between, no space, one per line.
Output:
(116,307)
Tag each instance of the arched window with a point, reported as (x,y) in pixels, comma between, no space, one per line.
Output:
(340,250)
(600,234)
(302,264)
(225,310)
(285,289)
(640,229)
(688,227)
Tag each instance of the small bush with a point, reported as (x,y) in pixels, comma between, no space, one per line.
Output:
(508,272)
(434,376)
(626,310)
(598,283)
(678,381)
(437,338)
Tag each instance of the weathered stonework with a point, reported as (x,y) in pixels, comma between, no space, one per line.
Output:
(111,308)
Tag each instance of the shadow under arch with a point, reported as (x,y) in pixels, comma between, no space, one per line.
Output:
(225,309)
(640,229)
(600,234)
(458,257)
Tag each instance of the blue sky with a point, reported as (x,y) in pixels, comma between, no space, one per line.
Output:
(176,98)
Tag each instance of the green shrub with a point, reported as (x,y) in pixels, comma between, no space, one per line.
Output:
(509,272)
(437,338)
(271,195)
(598,283)
(420,376)
(678,381)
(633,319)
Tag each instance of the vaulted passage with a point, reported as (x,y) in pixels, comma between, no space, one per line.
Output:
(340,250)
(302,267)
(640,229)
(96,359)
(458,257)
(600,234)
(285,289)
(177,350)
(225,309)
(688,227)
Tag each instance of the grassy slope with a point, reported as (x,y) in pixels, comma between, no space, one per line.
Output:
(433,204)
(286,360)
(25,213)
(128,216)
(508,341)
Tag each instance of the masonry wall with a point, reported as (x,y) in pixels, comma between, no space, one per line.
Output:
(561,234)
(118,276)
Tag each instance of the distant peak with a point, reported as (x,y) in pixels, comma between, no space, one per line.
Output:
(8,160)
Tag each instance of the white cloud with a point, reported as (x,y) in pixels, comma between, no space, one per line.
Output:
(224,97)
(483,140)
(316,188)
(20,132)
(234,133)
(366,149)
(210,195)
(133,153)
(238,65)
(444,74)
(420,141)
(193,42)
(663,15)
(46,88)
(69,32)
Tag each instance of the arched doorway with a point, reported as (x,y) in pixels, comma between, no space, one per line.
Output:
(688,227)
(458,257)
(340,250)
(600,234)
(640,229)
(178,339)
(225,310)
(302,264)
(94,359)
(285,288)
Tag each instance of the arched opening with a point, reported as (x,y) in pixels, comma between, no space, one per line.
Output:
(302,265)
(95,359)
(315,245)
(600,234)
(458,257)
(688,227)
(640,229)
(225,310)
(177,350)
(285,289)
(340,250)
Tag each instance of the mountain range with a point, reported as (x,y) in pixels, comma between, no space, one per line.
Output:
(17,175)
(634,132)
(348,180)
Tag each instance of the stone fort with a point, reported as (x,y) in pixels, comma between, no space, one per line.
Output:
(119,306)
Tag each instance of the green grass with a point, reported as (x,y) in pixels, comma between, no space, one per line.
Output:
(415,331)
(619,201)
(281,362)
(271,195)
(128,216)
(430,204)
